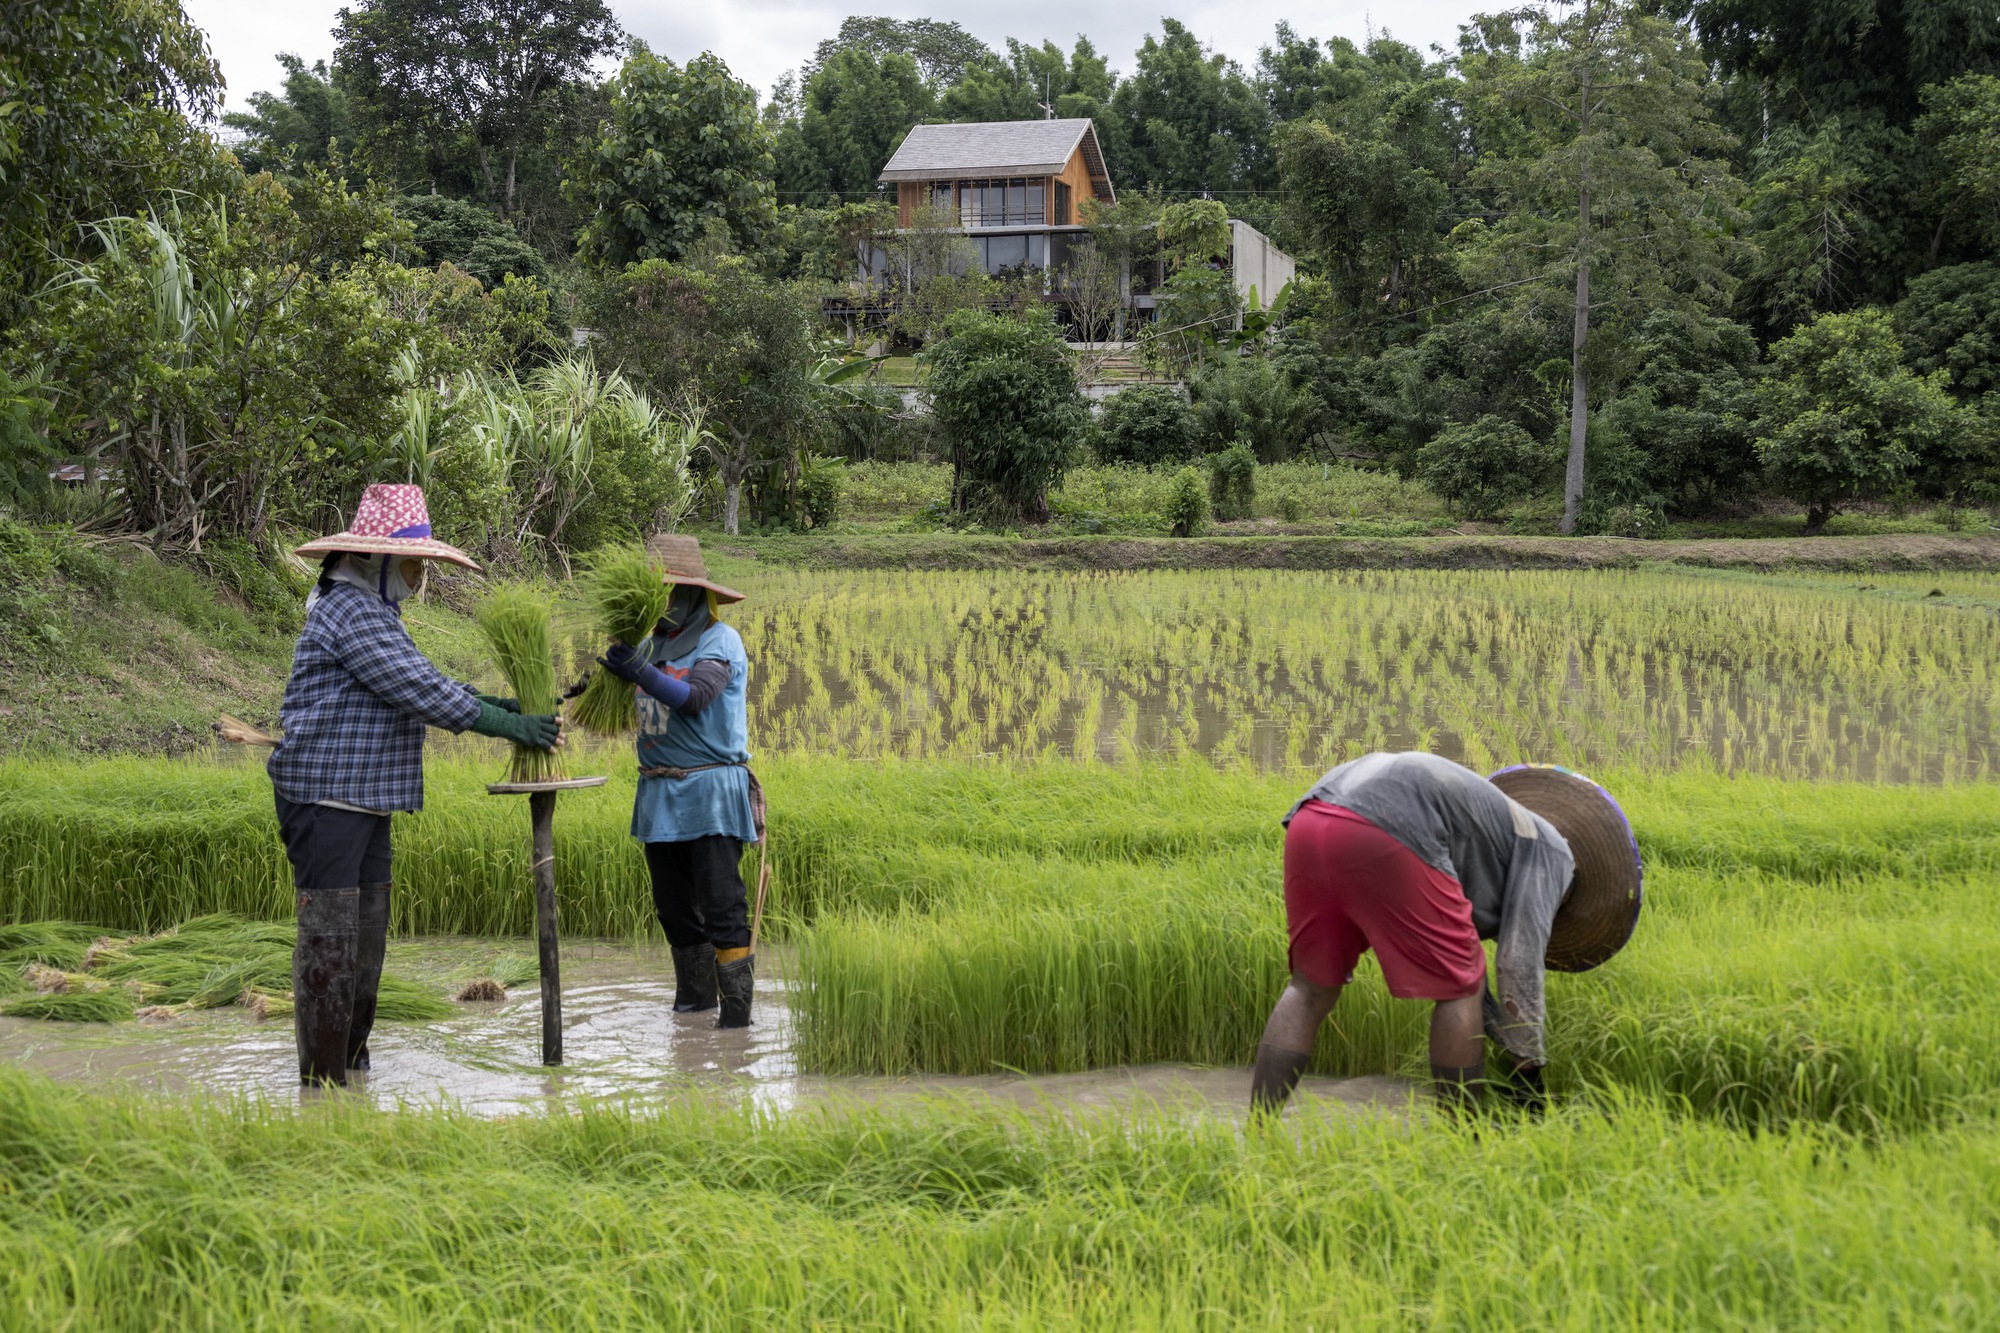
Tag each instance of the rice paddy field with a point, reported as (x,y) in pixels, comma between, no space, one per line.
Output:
(1029,822)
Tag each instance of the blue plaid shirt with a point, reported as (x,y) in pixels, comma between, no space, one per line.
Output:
(356,706)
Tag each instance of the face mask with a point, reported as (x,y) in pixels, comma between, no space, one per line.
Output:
(387,576)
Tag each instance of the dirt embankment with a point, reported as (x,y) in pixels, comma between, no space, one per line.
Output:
(1886,554)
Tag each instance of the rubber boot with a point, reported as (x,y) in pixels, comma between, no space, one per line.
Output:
(371,944)
(694,978)
(323,982)
(734,981)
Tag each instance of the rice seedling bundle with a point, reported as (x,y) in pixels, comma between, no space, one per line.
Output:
(515,621)
(625,592)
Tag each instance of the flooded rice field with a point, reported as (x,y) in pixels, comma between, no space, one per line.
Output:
(1894,678)
(621,1040)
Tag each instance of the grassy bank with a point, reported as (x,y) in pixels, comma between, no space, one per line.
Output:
(128,1214)
(1810,950)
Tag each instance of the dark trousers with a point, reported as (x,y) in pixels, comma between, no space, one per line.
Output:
(340,868)
(698,891)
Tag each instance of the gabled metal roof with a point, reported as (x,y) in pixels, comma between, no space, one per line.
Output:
(997,148)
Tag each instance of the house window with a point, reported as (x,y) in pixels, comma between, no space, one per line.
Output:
(1062,203)
(1012,202)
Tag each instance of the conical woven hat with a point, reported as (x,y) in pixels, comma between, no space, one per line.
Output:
(680,559)
(1602,908)
(390,520)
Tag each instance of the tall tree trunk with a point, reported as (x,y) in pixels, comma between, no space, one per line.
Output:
(1579,386)
(486,171)
(508,211)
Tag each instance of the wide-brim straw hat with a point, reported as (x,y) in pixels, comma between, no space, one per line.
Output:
(680,561)
(1602,908)
(390,520)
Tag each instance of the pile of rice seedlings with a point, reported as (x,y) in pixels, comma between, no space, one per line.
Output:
(79,974)
(624,588)
(515,621)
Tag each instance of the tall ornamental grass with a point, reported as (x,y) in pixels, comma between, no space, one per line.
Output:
(627,598)
(1809,951)
(515,621)
(133,1213)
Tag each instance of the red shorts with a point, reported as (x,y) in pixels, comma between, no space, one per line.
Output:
(1350,887)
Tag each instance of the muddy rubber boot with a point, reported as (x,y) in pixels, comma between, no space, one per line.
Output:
(323,982)
(371,944)
(734,982)
(694,978)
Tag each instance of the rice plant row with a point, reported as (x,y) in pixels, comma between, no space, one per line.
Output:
(1818,951)
(1284,671)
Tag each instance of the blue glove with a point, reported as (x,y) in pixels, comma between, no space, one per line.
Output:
(621,661)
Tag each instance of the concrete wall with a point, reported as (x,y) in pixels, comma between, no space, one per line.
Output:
(1255,262)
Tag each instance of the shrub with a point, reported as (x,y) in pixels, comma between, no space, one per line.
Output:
(1187,504)
(1148,424)
(460,233)
(1843,418)
(1479,466)
(1252,401)
(1004,396)
(819,489)
(1232,482)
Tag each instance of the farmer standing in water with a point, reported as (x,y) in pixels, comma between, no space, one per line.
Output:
(698,804)
(1420,859)
(354,713)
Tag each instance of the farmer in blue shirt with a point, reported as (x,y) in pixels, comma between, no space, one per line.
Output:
(355,709)
(698,803)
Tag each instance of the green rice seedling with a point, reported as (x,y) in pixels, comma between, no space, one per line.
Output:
(515,620)
(1620,1214)
(624,589)
(112,1005)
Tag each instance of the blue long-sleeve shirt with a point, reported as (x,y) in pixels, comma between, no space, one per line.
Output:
(357,703)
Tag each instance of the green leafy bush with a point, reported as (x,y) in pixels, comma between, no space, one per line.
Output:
(1480,466)
(1249,399)
(1232,482)
(1004,396)
(461,233)
(1187,504)
(1147,424)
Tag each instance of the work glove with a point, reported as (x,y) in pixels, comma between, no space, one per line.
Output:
(582,684)
(623,661)
(505,705)
(537,731)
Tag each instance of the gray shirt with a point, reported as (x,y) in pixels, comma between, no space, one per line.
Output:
(1512,864)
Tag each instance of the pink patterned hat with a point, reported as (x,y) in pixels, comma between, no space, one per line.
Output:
(390,520)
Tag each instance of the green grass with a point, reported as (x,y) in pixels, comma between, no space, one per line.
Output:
(1810,951)
(134,1214)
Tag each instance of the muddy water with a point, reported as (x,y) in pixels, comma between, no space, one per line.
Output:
(621,1039)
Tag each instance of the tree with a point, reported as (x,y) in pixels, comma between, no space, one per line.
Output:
(1147,424)
(306,124)
(1248,400)
(729,340)
(1003,395)
(1961,126)
(98,104)
(683,148)
(1188,120)
(941,50)
(1479,466)
(1841,418)
(460,233)
(426,77)
(1605,165)
(1686,413)
(849,115)
(1950,321)
(1030,82)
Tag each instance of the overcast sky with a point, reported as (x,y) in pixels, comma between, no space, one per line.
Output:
(761,39)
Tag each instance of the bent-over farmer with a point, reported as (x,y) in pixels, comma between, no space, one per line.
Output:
(1419,859)
(698,803)
(354,713)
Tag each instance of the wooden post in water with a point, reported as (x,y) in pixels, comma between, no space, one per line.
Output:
(548,944)
(542,811)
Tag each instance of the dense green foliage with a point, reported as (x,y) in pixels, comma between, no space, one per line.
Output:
(1004,397)
(683,151)
(1148,425)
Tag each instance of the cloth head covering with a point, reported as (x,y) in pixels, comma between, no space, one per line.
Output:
(390,520)
(679,559)
(381,575)
(687,616)
(1602,907)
